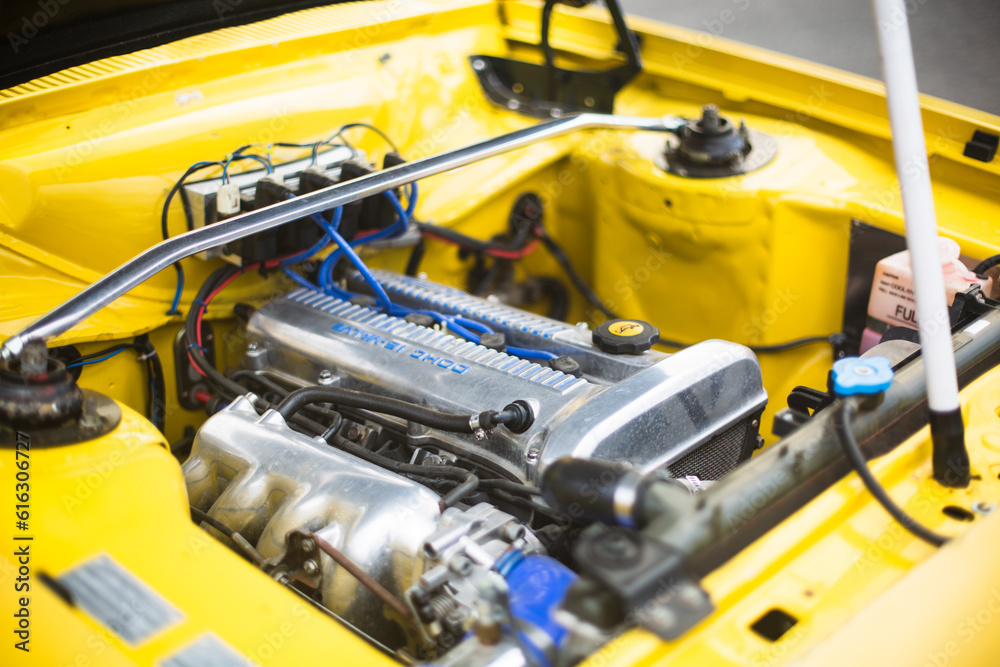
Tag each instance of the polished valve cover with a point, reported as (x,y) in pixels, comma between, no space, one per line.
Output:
(650,410)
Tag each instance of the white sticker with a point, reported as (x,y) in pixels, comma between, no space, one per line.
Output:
(207,650)
(118,600)
(976,327)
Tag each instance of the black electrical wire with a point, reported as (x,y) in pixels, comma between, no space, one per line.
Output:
(832,339)
(222,384)
(193,169)
(187,217)
(443,421)
(848,408)
(471,243)
(416,257)
(792,344)
(468,481)
(241,543)
(155,402)
(987,264)
(368,126)
(558,296)
(563,260)
(110,350)
(545,28)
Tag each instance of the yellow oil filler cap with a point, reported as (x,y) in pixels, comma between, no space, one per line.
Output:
(625,336)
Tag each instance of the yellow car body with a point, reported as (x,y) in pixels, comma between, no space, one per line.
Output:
(87,155)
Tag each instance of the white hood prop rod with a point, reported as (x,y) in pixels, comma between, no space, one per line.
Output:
(951,460)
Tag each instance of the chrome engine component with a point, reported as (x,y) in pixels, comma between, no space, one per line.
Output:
(264,480)
(694,412)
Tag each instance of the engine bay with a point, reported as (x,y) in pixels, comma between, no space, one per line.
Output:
(486,389)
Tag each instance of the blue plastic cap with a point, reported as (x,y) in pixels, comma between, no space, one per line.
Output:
(538,585)
(856,376)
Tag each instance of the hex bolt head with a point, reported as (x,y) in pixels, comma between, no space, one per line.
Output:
(983,507)
(461,565)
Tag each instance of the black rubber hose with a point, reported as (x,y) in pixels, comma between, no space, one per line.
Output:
(241,543)
(987,264)
(510,486)
(848,408)
(443,421)
(280,391)
(468,482)
(558,295)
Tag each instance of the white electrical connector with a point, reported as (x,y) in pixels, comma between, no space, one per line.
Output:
(227,201)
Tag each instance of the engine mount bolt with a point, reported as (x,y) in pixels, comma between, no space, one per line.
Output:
(310,567)
(532,455)
(326,378)
(307,545)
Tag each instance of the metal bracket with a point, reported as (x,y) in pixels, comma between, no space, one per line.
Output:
(647,576)
(548,91)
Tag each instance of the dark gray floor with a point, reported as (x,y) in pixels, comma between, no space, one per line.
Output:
(957,42)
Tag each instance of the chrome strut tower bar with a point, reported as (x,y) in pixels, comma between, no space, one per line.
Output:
(163,254)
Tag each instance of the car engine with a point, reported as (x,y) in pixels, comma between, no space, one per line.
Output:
(692,415)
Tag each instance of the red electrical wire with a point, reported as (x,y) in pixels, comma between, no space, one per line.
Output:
(202,307)
(499,254)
